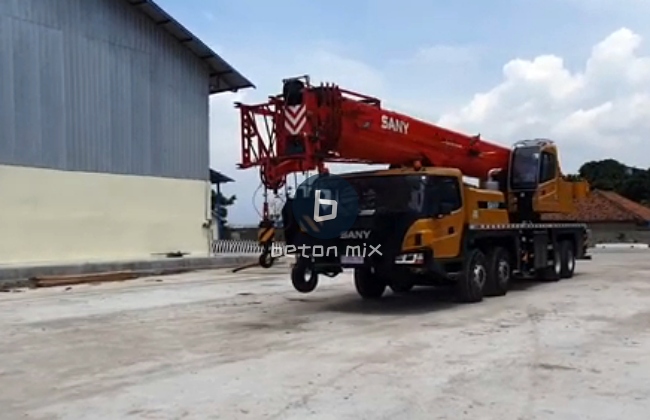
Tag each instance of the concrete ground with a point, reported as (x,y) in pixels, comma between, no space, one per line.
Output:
(216,345)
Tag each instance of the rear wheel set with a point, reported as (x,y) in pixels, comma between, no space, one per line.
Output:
(499,269)
(563,263)
(484,275)
(568,259)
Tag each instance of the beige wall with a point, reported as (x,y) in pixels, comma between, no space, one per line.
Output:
(57,216)
(611,232)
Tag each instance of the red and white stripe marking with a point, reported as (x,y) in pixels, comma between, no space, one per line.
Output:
(295,119)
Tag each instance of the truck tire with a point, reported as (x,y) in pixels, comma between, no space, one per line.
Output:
(471,281)
(499,272)
(552,273)
(303,278)
(369,285)
(568,259)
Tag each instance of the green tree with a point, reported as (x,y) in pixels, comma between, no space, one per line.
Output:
(608,174)
(572,177)
(637,187)
(612,175)
(222,207)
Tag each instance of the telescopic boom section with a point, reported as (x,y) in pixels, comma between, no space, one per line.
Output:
(307,126)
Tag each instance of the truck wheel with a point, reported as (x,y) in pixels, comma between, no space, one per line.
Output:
(304,279)
(568,260)
(499,272)
(471,281)
(553,272)
(369,285)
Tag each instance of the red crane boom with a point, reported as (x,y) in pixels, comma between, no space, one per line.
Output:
(307,126)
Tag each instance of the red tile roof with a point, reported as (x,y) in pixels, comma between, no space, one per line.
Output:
(605,206)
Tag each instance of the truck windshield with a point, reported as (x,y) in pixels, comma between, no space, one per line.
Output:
(525,168)
(391,193)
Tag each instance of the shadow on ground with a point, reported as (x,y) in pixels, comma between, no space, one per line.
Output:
(419,300)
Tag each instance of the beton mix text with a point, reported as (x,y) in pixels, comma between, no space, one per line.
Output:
(363,250)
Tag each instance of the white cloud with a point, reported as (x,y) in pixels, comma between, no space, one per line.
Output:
(598,112)
(601,110)
(345,72)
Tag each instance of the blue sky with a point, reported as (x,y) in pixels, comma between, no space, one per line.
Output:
(506,68)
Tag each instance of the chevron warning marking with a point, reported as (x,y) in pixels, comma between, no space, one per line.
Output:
(265,234)
(295,119)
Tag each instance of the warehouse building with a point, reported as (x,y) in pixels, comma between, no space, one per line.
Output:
(104,152)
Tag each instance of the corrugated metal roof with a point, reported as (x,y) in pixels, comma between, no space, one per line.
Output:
(223,77)
(217,177)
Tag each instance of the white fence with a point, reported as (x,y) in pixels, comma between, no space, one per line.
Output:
(621,246)
(231,246)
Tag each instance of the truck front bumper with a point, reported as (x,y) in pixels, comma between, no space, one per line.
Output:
(422,258)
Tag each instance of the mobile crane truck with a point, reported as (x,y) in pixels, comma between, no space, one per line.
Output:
(433,227)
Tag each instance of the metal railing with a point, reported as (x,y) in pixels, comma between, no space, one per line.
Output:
(232,246)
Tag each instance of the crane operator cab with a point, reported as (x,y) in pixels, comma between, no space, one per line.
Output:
(536,184)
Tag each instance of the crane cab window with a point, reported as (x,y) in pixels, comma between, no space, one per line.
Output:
(448,191)
(525,168)
(548,167)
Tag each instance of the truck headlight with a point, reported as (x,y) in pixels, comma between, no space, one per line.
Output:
(413,258)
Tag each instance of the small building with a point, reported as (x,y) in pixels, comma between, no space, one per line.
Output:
(611,218)
(104,152)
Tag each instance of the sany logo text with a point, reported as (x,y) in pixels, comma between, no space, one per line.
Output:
(393,124)
(356,234)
